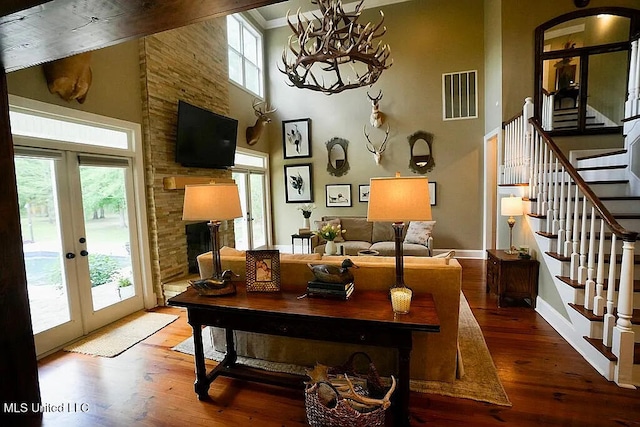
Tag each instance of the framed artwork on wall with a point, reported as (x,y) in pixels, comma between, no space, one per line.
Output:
(296,138)
(338,195)
(363,193)
(432,193)
(298,183)
(263,271)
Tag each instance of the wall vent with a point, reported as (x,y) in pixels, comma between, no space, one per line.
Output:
(459,95)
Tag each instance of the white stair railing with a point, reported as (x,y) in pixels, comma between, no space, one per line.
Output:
(532,157)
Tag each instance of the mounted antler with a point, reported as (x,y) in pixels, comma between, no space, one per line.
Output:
(377,118)
(332,40)
(377,152)
(254,132)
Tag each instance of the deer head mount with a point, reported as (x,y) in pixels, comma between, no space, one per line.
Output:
(377,118)
(70,77)
(325,47)
(262,111)
(377,152)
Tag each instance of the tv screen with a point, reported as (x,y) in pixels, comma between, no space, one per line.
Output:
(205,139)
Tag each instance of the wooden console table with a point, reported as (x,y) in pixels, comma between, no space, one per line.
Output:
(365,318)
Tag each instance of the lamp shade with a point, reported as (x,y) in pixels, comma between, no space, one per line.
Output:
(511,206)
(211,202)
(399,199)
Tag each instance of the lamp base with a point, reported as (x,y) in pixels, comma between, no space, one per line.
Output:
(213,287)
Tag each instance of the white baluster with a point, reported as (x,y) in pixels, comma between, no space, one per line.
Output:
(623,335)
(532,162)
(575,256)
(582,270)
(539,204)
(590,284)
(562,214)
(609,318)
(543,180)
(568,222)
(556,197)
(598,302)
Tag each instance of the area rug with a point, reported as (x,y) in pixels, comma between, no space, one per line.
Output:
(117,337)
(480,381)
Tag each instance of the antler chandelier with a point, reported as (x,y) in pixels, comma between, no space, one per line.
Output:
(334,52)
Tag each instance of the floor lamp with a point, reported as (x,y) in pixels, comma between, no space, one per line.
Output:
(213,203)
(397,200)
(511,206)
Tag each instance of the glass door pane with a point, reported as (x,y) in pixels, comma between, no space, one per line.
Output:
(42,242)
(106,222)
(241,225)
(258,204)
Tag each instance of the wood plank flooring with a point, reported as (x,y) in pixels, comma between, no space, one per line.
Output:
(547,381)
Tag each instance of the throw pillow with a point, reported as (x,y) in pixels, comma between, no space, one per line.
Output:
(320,224)
(419,232)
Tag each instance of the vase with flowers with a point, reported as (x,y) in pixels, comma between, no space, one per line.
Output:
(306,210)
(329,232)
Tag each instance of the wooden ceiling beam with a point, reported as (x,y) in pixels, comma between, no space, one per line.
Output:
(33,32)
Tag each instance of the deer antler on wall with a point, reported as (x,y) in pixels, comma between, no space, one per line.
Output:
(377,152)
(254,132)
(377,117)
(323,44)
(70,77)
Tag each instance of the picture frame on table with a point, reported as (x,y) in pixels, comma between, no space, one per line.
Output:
(298,185)
(432,193)
(363,192)
(296,138)
(338,195)
(263,271)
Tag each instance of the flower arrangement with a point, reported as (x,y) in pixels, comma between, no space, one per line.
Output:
(306,209)
(329,232)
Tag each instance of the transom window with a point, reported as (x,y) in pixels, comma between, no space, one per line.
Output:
(245,54)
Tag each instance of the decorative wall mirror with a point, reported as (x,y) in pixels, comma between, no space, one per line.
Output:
(421,160)
(338,164)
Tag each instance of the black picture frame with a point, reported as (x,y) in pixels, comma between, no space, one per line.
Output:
(432,193)
(338,195)
(298,183)
(296,138)
(363,193)
(263,271)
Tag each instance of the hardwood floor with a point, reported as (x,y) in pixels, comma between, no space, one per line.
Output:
(149,385)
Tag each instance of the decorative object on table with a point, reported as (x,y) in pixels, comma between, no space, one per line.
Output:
(377,152)
(213,203)
(298,183)
(296,138)
(327,273)
(338,164)
(511,206)
(421,153)
(523,252)
(363,193)
(254,132)
(401,300)
(329,290)
(306,210)
(330,232)
(397,200)
(263,271)
(333,52)
(338,195)
(377,117)
(304,231)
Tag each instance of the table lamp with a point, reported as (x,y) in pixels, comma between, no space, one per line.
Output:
(397,200)
(511,206)
(213,203)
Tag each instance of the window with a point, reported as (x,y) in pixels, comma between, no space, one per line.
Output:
(459,100)
(245,54)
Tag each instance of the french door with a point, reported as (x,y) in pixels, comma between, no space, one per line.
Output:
(251,230)
(78,232)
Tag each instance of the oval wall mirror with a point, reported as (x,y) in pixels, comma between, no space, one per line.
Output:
(338,164)
(421,160)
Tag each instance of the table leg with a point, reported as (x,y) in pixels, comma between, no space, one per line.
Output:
(231,356)
(202,384)
(402,396)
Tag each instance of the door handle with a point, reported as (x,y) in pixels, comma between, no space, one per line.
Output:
(70,255)
(84,253)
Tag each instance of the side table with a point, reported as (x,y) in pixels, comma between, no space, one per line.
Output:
(511,277)
(303,238)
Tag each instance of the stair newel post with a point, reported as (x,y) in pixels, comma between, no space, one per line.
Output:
(561,213)
(568,222)
(609,318)
(598,301)
(590,284)
(575,256)
(634,81)
(582,270)
(623,335)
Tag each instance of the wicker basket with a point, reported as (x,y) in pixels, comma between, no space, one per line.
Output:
(375,388)
(338,412)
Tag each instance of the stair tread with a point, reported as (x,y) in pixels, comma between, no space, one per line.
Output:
(576,285)
(636,258)
(613,181)
(635,317)
(597,168)
(547,235)
(595,156)
(603,349)
(558,256)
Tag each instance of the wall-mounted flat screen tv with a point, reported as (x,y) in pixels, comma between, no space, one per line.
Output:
(205,139)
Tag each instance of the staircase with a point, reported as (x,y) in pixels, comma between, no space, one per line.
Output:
(582,214)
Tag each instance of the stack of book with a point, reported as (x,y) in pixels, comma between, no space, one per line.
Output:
(329,290)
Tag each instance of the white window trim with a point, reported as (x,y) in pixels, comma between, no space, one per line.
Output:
(260,37)
(445,94)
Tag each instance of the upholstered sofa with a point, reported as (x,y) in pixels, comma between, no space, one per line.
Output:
(434,355)
(361,234)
